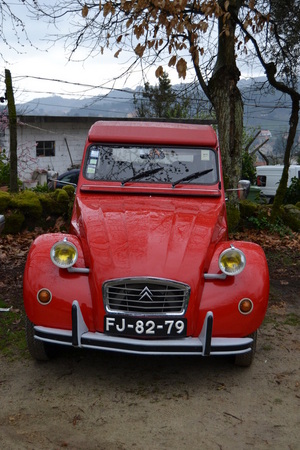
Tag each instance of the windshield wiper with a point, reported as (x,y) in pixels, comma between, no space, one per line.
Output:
(141,175)
(192,176)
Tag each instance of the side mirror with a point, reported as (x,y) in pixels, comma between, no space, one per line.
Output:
(243,189)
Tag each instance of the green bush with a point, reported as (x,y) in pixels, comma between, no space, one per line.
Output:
(4,201)
(248,168)
(258,216)
(70,190)
(248,208)
(14,221)
(29,209)
(41,188)
(28,203)
(291,217)
(233,216)
(292,195)
(4,169)
(62,202)
(49,203)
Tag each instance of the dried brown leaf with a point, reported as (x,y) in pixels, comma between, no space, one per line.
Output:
(116,55)
(159,72)
(172,61)
(85,11)
(181,68)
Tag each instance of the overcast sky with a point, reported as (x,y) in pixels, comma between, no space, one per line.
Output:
(43,60)
(32,66)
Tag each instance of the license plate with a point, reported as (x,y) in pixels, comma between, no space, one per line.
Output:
(142,327)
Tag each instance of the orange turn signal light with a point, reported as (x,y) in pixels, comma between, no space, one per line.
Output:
(245,306)
(44,296)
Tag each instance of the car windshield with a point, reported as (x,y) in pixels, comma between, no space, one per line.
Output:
(140,164)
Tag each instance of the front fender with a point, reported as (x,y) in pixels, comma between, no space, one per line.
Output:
(65,287)
(223,296)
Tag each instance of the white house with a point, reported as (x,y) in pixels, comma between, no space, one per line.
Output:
(48,143)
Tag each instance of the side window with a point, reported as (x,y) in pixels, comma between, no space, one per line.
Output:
(74,178)
(261,180)
(45,148)
(71,178)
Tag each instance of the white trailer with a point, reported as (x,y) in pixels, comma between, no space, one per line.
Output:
(268,178)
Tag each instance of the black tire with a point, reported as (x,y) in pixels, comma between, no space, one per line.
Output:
(39,350)
(245,359)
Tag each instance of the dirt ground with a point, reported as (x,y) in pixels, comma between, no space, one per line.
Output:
(92,400)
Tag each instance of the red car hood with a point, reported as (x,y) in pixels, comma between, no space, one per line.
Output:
(131,236)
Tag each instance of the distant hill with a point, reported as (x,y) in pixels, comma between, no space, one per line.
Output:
(115,104)
(263,108)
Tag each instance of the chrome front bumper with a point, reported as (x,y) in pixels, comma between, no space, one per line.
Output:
(203,345)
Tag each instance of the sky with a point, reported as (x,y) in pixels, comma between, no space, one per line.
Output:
(33,66)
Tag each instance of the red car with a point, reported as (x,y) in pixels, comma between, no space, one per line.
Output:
(147,267)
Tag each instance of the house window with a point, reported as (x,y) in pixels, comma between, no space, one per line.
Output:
(45,148)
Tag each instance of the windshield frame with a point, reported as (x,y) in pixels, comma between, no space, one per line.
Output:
(184,154)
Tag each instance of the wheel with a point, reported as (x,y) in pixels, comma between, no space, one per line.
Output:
(245,359)
(39,350)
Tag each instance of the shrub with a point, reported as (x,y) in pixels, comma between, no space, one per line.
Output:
(233,216)
(62,196)
(291,217)
(14,221)
(4,201)
(248,168)
(70,190)
(28,203)
(258,216)
(4,169)
(292,195)
(248,208)
(30,209)
(41,188)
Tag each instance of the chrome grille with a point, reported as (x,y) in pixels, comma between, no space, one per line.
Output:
(146,296)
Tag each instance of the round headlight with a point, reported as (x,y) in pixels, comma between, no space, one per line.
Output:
(64,254)
(232,261)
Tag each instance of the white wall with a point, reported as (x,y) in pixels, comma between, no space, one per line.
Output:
(74,130)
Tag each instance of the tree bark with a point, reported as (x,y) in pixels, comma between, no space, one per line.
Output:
(282,188)
(227,101)
(12,119)
(229,110)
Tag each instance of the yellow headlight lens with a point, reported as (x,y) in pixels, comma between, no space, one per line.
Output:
(64,254)
(232,261)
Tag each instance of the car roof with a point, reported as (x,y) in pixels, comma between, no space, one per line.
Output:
(153,133)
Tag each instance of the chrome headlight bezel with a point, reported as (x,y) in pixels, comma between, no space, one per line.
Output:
(64,254)
(232,261)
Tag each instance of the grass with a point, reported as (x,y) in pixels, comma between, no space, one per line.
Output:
(283,259)
(12,333)
(292,320)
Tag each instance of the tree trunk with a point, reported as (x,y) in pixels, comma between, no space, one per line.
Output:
(12,119)
(227,101)
(229,110)
(282,188)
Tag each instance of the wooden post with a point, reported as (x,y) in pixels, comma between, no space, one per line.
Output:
(12,120)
